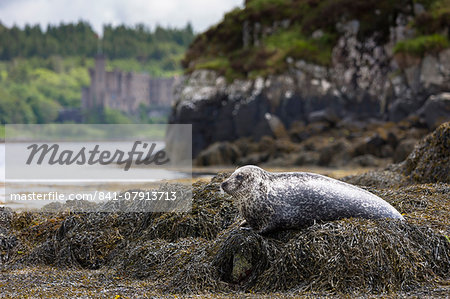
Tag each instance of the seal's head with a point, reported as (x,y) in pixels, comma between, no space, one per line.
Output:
(244,180)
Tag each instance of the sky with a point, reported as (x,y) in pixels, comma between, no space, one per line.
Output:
(175,13)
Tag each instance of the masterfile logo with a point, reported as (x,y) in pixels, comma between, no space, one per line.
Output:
(96,156)
(125,165)
(93,152)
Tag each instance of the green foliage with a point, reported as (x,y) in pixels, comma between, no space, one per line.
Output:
(263,4)
(285,28)
(44,109)
(44,71)
(64,39)
(34,90)
(435,19)
(422,44)
(139,42)
(292,43)
(105,116)
(152,114)
(12,110)
(432,4)
(112,116)
(166,67)
(80,40)
(271,56)
(218,64)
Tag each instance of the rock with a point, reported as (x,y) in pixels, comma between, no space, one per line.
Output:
(430,73)
(317,34)
(241,257)
(249,120)
(324,115)
(402,108)
(436,110)
(392,139)
(246,146)
(220,153)
(306,158)
(364,80)
(276,126)
(242,266)
(370,145)
(337,154)
(312,70)
(178,139)
(386,151)
(350,28)
(406,60)
(352,124)
(201,85)
(369,161)
(297,132)
(399,87)
(254,159)
(267,144)
(412,74)
(271,150)
(403,149)
(418,9)
(444,62)
(317,127)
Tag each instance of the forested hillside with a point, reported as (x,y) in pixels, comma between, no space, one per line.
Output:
(81,40)
(260,38)
(43,71)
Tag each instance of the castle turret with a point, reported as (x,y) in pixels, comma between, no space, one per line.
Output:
(98,81)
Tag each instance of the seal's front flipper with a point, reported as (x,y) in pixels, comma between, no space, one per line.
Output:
(244,225)
(245,228)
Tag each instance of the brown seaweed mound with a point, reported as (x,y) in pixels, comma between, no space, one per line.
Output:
(205,251)
(430,160)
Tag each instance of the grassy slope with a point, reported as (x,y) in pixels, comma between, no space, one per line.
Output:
(221,47)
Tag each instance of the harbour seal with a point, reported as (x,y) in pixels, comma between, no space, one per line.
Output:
(288,200)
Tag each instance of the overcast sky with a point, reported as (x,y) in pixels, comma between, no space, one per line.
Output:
(174,13)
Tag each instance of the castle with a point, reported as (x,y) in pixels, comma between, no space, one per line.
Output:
(125,91)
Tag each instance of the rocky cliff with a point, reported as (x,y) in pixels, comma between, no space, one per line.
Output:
(390,71)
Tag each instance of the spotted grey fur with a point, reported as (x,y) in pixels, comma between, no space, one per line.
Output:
(286,200)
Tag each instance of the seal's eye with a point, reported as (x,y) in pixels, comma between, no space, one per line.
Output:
(240,177)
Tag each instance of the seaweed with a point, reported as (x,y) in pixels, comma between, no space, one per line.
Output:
(206,252)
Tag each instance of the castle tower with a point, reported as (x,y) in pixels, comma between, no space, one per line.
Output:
(98,81)
(124,91)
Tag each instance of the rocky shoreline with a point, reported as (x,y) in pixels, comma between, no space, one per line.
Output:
(321,143)
(366,82)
